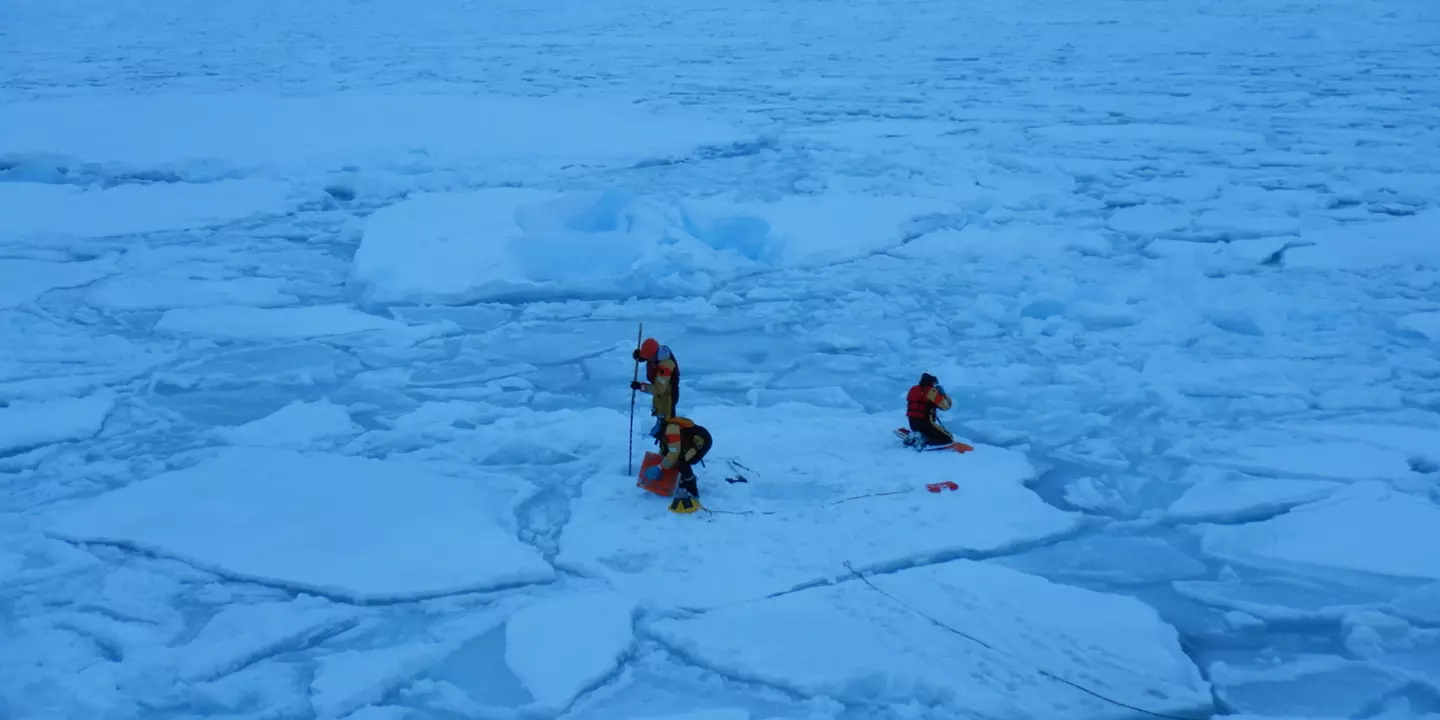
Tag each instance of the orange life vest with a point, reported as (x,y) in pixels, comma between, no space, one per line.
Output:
(692,438)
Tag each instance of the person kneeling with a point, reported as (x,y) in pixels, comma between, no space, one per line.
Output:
(921,404)
(683,443)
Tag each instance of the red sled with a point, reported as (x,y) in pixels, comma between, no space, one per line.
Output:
(937,487)
(665,486)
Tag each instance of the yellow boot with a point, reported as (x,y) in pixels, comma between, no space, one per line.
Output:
(685,505)
(683,501)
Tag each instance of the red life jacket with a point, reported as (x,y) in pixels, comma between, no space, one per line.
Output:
(917,403)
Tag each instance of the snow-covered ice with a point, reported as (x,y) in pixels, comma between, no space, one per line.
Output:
(1424,323)
(1228,499)
(1330,460)
(1405,242)
(1415,442)
(1368,527)
(236,322)
(520,243)
(352,528)
(1325,685)
(26,424)
(314,391)
(243,633)
(768,534)
(165,290)
(51,214)
(204,136)
(1019,633)
(591,632)
(298,425)
(23,281)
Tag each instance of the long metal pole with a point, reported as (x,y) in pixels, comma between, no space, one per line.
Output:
(630,444)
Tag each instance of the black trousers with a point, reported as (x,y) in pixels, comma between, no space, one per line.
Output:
(931,431)
(685,467)
(687,480)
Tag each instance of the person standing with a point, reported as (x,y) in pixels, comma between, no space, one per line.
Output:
(662,382)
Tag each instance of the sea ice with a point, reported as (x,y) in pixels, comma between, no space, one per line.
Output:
(1424,323)
(561,647)
(869,649)
(1311,686)
(1149,221)
(1368,527)
(778,531)
(1272,597)
(1321,461)
(524,244)
(177,288)
(1418,442)
(24,281)
(26,424)
(240,634)
(50,214)
(350,680)
(1009,243)
(1403,242)
(358,529)
(1116,560)
(238,322)
(204,135)
(1421,605)
(1225,499)
(297,425)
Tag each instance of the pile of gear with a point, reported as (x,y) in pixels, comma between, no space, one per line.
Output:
(683,443)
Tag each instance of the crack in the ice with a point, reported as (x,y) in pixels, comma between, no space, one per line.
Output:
(940,557)
(292,643)
(552,497)
(738,677)
(614,676)
(334,594)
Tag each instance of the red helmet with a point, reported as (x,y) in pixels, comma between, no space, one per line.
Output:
(649,349)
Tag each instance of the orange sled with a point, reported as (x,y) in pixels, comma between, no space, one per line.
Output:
(665,486)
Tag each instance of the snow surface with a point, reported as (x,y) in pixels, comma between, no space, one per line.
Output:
(257,130)
(23,281)
(773,538)
(28,424)
(591,632)
(1368,527)
(854,644)
(46,213)
(1424,323)
(352,528)
(314,393)
(1227,499)
(519,243)
(1337,460)
(298,425)
(234,322)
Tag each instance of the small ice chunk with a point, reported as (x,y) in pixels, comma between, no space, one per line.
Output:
(26,424)
(298,425)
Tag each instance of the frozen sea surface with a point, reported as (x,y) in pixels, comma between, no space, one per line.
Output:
(317,320)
